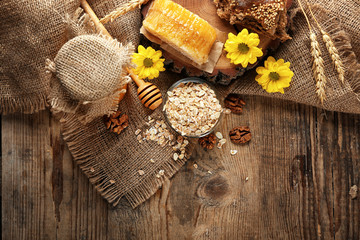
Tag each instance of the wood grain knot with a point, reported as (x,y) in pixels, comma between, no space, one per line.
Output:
(214,190)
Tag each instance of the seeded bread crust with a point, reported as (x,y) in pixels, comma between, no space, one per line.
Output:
(268,17)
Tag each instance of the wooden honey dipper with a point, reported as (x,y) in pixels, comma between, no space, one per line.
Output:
(149,94)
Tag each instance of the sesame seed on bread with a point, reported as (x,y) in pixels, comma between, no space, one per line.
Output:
(268,17)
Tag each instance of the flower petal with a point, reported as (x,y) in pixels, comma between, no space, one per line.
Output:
(141,49)
(280,61)
(244,32)
(231,47)
(253,42)
(260,70)
(262,80)
(271,59)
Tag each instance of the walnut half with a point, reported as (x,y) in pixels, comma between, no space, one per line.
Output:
(240,135)
(116,122)
(208,141)
(235,103)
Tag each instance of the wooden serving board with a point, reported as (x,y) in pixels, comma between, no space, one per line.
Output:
(224,71)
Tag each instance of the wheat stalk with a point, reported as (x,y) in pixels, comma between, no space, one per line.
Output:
(318,61)
(318,67)
(125,8)
(334,53)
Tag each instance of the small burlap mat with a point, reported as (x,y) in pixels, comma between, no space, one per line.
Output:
(110,161)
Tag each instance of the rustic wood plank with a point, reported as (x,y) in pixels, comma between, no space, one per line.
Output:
(300,165)
(265,206)
(25,150)
(346,173)
(288,195)
(80,211)
(45,195)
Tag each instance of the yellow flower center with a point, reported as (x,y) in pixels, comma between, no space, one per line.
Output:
(148,62)
(274,76)
(243,48)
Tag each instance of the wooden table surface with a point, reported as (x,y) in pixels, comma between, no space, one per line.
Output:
(300,166)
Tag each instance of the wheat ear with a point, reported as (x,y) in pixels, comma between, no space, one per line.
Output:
(318,67)
(334,53)
(125,8)
(318,61)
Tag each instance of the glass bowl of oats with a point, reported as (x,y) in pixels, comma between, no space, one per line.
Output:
(192,108)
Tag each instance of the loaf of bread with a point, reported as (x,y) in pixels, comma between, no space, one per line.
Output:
(268,17)
(183,30)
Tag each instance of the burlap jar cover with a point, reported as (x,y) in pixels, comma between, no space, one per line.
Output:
(90,76)
(111,162)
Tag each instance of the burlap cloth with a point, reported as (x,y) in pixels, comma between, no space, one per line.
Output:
(32,31)
(341,19)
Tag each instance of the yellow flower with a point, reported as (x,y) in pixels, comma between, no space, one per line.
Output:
(242,49)
(275,76)
(149,62)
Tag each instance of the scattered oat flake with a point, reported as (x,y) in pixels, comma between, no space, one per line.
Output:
(221,143)
(157,133)
(112,181)
(180,139)
(209,172)
(219,135)
(176,156)
(152,161)
(137,132)
(195,165)
(233,152)
(247,179)
(181,156)
(141,172)
(353,191)
(158,176)
(161,172)
(227,111)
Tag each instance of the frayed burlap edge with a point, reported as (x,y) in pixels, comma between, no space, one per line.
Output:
(24,105)
(137,193)
(79,23)
(343,43)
